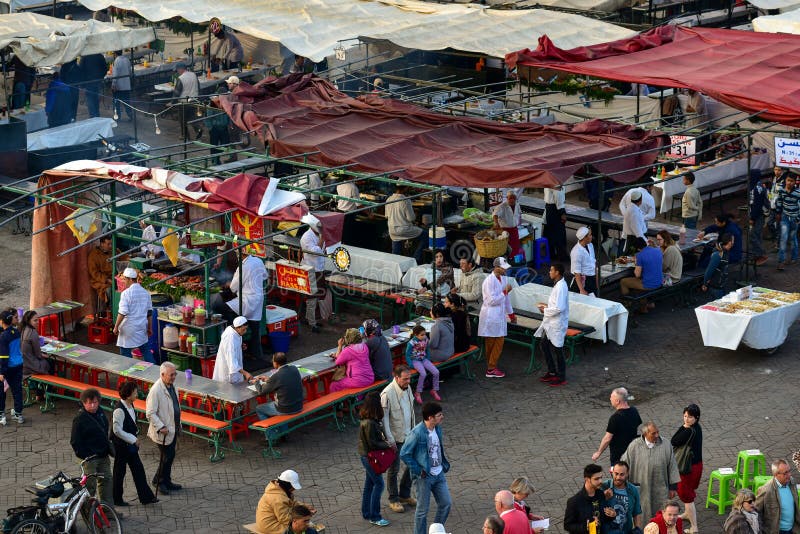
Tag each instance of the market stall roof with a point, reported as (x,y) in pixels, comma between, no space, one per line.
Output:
(748,71)
(247,192)
(314,29)
(788,22)
(774,4)
(304,113)
(42,41)
(16,5)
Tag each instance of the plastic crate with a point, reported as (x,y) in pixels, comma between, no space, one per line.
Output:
(100,333)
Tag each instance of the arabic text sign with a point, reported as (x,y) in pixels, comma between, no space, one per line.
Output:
(299,278)
(684,152)
(787,152)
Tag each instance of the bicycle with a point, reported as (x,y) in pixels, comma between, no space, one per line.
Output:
(61,517)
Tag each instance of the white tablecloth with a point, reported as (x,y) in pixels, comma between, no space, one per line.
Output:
(35,119)
(73,133)
(727,170)
(761,331)
(583,309)
(375,265)
(412,276)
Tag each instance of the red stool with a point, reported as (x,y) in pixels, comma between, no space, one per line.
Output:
(48,326)
(207,367)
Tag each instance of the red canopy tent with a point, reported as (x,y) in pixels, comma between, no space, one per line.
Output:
(748,71)
(303,113)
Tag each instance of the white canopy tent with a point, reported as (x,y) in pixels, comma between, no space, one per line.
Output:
(42,41)
(774,4)
(16,5)
(314,28)
(788,22)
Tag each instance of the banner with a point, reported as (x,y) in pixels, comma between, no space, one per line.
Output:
(294,277)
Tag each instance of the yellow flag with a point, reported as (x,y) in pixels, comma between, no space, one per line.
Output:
(79,232)
(170,244)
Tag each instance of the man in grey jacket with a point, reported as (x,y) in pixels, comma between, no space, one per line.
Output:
(441,344)
(287,385)
(469,288)
(398,420)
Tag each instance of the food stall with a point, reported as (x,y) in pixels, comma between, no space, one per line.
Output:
(756,316)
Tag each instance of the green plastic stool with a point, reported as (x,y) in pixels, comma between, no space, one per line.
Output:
(748,466)
(723,498)
(760,480)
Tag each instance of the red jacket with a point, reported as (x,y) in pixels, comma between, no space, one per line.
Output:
(662,526)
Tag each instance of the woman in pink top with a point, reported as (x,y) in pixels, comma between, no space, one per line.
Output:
(354,354)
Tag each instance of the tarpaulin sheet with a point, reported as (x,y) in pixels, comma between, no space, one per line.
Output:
(748,71)
(315,28)
(303,113)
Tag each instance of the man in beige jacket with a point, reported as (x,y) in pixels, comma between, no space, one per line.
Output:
(164,414)
(398,420)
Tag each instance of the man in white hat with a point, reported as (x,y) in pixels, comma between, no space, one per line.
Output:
(313,246)
(248,284)
(492,319)
(633,223)
(233,82)
(583,261)
(133,326)
(228,367)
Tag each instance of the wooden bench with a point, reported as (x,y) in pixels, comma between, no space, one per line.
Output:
(51,386)
(683,290)
(321,408)
(523,332)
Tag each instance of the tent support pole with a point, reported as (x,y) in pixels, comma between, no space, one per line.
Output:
(637,102)
(133,84)
(600,189)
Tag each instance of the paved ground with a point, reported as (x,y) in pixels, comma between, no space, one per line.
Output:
(495,430)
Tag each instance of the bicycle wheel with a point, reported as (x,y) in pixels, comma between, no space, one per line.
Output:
(31,526)
(104,520)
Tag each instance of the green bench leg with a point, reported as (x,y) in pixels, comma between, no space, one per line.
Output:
(270,451)
(533,365)
(218,454)
(466,370)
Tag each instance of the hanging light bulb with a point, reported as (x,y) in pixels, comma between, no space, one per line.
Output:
(116,117)
(158,130)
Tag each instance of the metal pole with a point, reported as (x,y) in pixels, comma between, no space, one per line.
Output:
(133,85)
(599,278)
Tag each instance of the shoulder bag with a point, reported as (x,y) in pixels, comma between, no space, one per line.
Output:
(684,455)
(380,460)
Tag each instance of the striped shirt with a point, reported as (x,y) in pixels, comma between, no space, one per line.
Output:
(788,203)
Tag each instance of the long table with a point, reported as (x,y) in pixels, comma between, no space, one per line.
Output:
(35,118)
(766,330)
(74,133)
(218,77)
(608,318)
(234,401)
(59,308)
(375,265)
(715,174)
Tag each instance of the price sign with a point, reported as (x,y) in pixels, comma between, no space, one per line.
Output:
(684,151)
(787,152)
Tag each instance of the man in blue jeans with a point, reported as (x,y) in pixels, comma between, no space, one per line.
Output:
(423,452)
(787,212)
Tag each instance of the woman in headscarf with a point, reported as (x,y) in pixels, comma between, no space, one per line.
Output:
(380,357)
(354,355)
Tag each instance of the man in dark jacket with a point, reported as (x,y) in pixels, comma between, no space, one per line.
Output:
(57,103)
(287,385)
(94,69)
(89,439)
(589,504)
(72,75)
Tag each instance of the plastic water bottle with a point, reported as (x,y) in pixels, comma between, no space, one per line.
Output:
(682,235)
(189,376)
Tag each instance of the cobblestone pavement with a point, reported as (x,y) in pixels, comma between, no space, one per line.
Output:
(494,430)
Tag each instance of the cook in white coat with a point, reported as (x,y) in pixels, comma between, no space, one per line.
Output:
(648,206)
(633,222)
(313,247)
(492,319)
(554,327)
(253,275)
(228,367)
(133,326)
